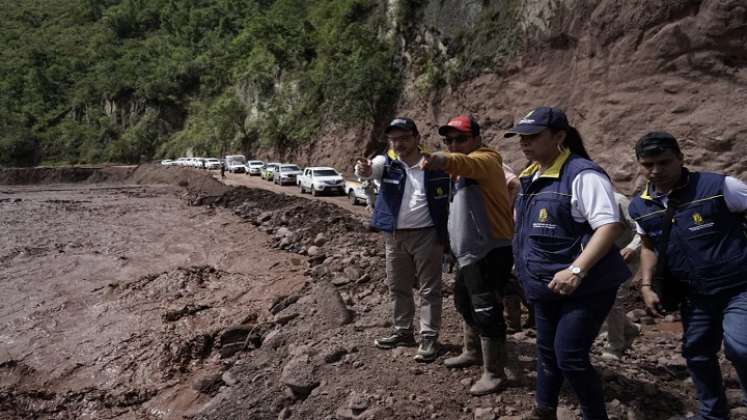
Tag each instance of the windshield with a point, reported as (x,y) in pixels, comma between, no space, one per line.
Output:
(289,168)
(256,163)
(235,159)
(212,160)
(272,167)
(325,172)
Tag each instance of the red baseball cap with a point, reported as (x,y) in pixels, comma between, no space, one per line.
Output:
(461,123)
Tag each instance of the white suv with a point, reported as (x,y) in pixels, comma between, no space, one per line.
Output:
(254,167)
(320,179)
(286,174)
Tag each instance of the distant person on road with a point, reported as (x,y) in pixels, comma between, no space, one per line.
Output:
(480,231)
(567,220)
(222,169)
(705,255)
(411,211)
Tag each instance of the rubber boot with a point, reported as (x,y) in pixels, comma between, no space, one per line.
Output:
(493,364)
(512,310)
(471,354)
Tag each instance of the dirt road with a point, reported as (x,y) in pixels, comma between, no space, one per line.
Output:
(257,182)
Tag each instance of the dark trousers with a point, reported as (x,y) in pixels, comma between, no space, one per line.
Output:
(707,321)
(477,292)
(566,329)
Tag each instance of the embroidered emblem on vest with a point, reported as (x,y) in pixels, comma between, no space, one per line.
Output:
(542,218)
(697,219)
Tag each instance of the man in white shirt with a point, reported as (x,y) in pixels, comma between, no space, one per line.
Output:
(411,210)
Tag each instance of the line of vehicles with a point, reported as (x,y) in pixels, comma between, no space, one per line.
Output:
(315,180)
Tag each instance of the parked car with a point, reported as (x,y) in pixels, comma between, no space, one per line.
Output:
(321,179)
(268,170)
(199,162)
(286,174)
(356,191)
(212,163)
(167,162)
(182,161)
(235,163)
(254,167)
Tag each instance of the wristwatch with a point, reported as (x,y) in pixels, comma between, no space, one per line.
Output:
(577,271)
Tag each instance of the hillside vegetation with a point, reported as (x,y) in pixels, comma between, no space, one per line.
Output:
(130,80)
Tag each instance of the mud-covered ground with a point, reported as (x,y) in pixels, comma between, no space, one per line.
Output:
(167,295)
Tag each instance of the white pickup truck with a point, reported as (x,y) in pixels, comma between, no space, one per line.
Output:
(320,179)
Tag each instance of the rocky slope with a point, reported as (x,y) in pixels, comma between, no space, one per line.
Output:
(619,69)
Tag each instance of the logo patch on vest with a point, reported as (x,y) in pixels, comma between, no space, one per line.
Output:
(699,223)
(542,218)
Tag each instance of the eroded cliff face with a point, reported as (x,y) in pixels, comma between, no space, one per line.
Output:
(619,69)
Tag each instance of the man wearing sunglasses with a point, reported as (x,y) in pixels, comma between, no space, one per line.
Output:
(480,230)
(706,254)
(411,210)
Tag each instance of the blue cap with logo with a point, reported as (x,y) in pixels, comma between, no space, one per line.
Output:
(538,120)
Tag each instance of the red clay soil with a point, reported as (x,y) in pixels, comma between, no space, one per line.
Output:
(126,301)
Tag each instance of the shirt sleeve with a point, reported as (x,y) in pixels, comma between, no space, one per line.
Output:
(479,165)
(377,169)
(735,195)
(593,200)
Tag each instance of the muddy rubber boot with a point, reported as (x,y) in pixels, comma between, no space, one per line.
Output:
(471,353)
(512,311)
(493,364)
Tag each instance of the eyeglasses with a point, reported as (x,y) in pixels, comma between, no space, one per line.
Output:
(457,139)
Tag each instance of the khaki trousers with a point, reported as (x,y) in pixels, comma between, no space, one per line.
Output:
(413,259)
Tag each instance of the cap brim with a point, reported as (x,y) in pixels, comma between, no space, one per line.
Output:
(446,128)
(524,130)
(397,127)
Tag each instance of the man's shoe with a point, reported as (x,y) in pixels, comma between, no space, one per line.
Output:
(397,339)
(471,352)
(541,414)
(428,350)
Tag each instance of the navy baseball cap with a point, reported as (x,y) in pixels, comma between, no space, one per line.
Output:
(538,120)
(402,123)
(656,142)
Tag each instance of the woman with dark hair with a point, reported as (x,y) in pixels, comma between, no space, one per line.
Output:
(567,220)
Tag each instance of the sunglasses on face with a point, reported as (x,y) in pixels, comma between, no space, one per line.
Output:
(456,139)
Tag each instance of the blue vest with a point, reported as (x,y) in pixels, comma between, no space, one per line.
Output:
(389,199)
(548,240)
(708,243)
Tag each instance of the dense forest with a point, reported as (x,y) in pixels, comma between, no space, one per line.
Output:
(85,81)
